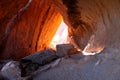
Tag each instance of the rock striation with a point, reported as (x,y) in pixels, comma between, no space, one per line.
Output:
(92,24)
(26,26)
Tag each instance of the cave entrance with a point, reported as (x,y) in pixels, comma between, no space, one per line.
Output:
(60,36)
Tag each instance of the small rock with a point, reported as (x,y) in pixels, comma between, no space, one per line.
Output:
(32,62)
(3,62)
(63,49)
(12,70)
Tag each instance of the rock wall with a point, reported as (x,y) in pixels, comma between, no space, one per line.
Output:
(26,26)
(94,24)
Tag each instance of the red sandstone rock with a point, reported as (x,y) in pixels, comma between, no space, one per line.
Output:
(26,26)
(94,22)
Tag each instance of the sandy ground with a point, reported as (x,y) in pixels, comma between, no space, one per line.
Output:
(104,66)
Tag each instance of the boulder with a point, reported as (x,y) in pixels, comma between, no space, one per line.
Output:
(42,57)
(3,62)
(63,49)
(28,67)
(11,70)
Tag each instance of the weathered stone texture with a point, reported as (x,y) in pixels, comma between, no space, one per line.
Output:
(26,26)
(96,22)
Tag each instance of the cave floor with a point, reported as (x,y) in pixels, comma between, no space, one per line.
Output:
(104,66)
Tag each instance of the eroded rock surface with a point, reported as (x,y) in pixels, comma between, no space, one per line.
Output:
(26,26)
(95,22)
(104,66)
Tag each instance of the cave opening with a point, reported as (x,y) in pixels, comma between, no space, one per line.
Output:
(60,36)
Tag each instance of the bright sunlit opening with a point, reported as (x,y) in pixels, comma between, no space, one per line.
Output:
(86,50)
(60,36)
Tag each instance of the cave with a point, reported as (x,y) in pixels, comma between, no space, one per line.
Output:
(60,36)
(91,28)
(29,20)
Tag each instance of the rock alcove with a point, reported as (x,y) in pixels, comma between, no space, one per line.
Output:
(28,26)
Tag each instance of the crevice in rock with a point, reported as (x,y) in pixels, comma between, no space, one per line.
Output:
(41,26)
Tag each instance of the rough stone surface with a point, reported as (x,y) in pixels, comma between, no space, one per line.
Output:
(63,49)
(3,62)
(73,51)
(26,26)
(42,57)
(11,70)
(104,66)
(77,56)
(96,22)
(2,77)
(30,24)
(28,67)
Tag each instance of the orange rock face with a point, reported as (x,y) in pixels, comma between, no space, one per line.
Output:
(26,26)
(93,25)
